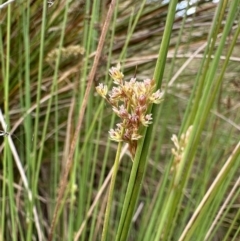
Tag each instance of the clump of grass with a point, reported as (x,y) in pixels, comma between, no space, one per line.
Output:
(51,106)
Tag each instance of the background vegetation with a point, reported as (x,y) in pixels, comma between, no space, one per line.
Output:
(47,51)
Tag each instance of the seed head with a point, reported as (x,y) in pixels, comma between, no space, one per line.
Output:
(180,145)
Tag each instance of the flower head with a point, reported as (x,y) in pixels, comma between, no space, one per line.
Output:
(130,101)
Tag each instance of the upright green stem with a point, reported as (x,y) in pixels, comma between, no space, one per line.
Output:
(110,194)
(140,160)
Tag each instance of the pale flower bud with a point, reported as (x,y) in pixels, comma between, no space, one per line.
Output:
(156,97)
(146,120)
(102,90)
(115,135)
(116,74)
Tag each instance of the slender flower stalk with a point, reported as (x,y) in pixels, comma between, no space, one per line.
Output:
(110,194)
(129,101)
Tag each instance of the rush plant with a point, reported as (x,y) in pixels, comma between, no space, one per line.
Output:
(130,101)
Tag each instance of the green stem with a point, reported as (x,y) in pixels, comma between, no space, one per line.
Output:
(110,194)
